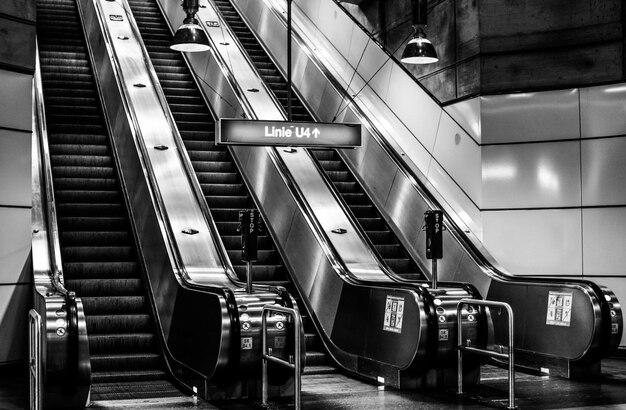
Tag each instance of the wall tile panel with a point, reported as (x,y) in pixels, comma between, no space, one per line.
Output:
(15,302)
(604,241)
(15,244)
(16,100)
(15,168)
(550,115)
(531,175)
(539,242)
(604,171)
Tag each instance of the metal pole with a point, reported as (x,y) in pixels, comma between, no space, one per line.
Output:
(264,380)
(248,276)
(289,116)
(459,352)
(434,274)
(298,370)
(511,361)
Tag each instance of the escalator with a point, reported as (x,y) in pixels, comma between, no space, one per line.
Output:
(217,174)
(373,224)
(100,260)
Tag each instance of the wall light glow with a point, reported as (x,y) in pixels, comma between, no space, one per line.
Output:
(547,179)
(499,172)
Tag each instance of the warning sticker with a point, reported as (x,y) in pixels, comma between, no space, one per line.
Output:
(246,343)
(559,309)
(614,328)
(394,311)
(443,335)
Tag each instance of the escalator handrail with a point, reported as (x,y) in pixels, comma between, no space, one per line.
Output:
(476,253)
(185,160)
(51,222)
(162,215)
(418,292)
(433,203)
(250,112)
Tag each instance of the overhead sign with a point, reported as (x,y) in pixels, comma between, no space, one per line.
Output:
(291,134)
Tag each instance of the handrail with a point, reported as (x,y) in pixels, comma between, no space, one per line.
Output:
(480,255)
(56,275)
(184,156)
(152,186)
(286,175)
(34,360)
(510,356)
(267,353)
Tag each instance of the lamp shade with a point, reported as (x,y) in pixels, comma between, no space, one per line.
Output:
(419,50)
(190,37)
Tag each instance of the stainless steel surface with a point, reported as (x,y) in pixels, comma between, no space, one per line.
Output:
(603,171)
(603,245)
(35,360)
(602,111)
(541,237)
(15,147)
(156,230)
(469,259)
(297,358)
(534,175)
(186,272)
(301,212)
(548,115)
(168,171)
(15,100)
(50,293)
(465,347)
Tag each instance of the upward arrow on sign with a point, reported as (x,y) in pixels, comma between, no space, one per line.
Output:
(316,132)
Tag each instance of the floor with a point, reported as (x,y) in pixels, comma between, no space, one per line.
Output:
(338,392)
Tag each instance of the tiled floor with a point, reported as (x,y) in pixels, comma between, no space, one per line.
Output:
(339,392)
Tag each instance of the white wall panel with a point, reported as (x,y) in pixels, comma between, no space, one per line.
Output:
(15,168)
(15,240)
(467,114)
(459,155)
(604,241)
(603,111)
(411,104)
(16,100)
(467,214)
(604,171)
(334,23)
(538,242)
(617,285)
(531,175)
(15,301)
(539,116)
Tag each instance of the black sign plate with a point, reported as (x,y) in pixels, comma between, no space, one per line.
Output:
(290,134)
(434,237)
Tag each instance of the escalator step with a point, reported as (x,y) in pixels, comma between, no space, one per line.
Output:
(106,324)
(110,287)
(124,362)
(127,376)
(98,253)
(114,305)
(86,238)
(134,391)
(122,343)
(97,270)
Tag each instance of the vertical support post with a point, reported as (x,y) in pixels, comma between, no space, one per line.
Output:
(266,354)
(289,115)
(434,274)
(34,357)
(248,277)
(511,361)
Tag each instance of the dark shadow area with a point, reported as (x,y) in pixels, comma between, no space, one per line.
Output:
(14,386)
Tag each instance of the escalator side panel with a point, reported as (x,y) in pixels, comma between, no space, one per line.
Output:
(99,259)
